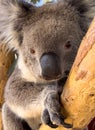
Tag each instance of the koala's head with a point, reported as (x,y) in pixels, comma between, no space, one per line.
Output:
(46,38)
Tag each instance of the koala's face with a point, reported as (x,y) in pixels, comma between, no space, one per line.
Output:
(46,38)
(50,44)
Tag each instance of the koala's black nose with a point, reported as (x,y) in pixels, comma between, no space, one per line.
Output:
(50,65)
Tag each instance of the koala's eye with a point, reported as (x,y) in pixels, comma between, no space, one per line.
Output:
(32,51)
(68,45)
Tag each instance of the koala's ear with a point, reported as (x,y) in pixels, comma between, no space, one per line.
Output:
(85,9)
(13,15)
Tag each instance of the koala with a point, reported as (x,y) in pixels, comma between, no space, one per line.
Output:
(46,40)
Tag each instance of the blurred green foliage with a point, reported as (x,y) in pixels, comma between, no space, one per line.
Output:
(34,1)
(39,2)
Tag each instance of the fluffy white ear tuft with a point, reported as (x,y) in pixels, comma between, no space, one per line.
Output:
(13,14)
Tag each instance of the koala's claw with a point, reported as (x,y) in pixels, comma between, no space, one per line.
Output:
(50,118)
(52,125)
(46,119)
(66,125)
(59,120)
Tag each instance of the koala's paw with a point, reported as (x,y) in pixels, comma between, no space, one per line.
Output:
(51,114)
(54,120)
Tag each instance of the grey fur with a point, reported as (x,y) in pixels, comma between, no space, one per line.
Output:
(33,31)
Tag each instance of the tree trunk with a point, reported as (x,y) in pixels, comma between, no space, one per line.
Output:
(6,59)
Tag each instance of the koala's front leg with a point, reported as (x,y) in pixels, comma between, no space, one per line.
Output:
(11,121)
(52,113)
